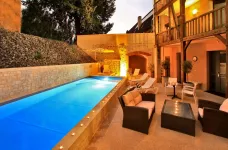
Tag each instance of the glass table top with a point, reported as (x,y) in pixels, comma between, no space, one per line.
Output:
(178,109)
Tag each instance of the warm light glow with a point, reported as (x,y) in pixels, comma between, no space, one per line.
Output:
(73,134)
(195,11)
(123,69)
(123,61)
(108,51)
(61,147)
(190,2)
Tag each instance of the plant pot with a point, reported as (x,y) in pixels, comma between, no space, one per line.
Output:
(164,80)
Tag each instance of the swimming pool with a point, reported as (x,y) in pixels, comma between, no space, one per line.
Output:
(40,121)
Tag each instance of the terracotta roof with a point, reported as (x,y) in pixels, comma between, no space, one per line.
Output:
(146,24)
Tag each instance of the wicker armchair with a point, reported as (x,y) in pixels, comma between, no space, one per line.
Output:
(213,120)
(136,118)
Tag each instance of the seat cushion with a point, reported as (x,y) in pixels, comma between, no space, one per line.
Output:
(128,99)
(149,113)
(224,106)
(147,104)
(137,96)
(200,110)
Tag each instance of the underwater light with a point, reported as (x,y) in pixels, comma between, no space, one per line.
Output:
(106,79)
(98,86)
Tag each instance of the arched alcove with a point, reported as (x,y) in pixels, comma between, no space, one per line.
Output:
(137,61)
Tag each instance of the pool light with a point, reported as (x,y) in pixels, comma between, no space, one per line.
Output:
(93,111)
(106,79)
(88,117)
(81,124)
(61,147)
(73,134)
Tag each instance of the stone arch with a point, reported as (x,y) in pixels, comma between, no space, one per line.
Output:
(138,61)
(138,53)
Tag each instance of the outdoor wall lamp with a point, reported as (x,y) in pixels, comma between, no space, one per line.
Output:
(194,11)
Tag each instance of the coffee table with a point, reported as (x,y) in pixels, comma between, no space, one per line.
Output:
(178,116)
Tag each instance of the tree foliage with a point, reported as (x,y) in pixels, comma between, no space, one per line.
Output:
(60,19)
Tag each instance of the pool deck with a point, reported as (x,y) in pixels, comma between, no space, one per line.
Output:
(112,136)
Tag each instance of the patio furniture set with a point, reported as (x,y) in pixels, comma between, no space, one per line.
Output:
(139,108)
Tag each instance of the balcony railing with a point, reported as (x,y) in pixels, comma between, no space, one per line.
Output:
(209,21)
(204,25)
(168,36)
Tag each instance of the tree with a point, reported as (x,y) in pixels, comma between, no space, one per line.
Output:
(60,19)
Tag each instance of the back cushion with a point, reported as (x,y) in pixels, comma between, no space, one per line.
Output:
(137,96)
(128,99)
(224,106)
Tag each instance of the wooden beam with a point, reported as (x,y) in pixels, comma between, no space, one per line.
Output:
(182,33)
(158,63)
(174,15)
(183,58)
(206,34)
(187,44)
(221,38)
(226,48)
(164,7)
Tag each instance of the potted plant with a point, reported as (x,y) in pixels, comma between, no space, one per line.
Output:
(187,67)
(151,69)
(166,66)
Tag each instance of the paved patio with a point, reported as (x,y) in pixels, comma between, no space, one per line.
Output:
(112,136)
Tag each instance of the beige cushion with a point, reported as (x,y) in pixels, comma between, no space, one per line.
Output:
(137,96)
(224,106)
(200,112)
(149,113)
(128,99)
(147,104)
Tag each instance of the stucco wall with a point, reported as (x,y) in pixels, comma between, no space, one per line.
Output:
(199,49)
(139,42)
(18,82)
(10,15)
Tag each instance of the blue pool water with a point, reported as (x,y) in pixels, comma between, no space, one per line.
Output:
(40,121)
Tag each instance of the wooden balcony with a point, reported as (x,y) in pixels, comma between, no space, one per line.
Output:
(161,5)
(168,37)
(208,24)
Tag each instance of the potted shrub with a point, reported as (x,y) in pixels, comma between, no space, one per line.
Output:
(151,69)
(187,67)
(166,66)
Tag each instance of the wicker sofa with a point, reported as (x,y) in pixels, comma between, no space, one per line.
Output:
(138,116)
(212,119)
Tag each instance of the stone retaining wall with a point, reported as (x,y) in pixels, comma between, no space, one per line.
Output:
(22,50)
(18,82)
